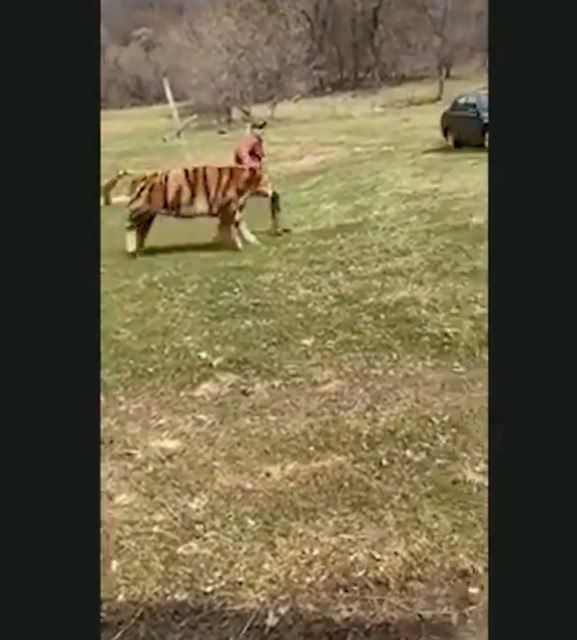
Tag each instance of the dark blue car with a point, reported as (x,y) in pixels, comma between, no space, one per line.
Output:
(466,121)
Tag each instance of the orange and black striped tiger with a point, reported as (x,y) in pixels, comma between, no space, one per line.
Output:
(192,192)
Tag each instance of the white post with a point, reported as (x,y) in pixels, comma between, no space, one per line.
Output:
(170,100)
(174,111)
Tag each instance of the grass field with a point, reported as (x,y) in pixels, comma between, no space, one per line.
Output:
(295,436)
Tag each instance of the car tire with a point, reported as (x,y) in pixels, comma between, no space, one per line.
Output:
(451,140)
(486,139)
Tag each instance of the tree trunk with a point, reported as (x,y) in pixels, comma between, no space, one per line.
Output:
(356,65)
(340,67)
(441,84)
(272,109)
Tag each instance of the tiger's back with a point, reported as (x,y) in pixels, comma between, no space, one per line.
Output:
(191,192)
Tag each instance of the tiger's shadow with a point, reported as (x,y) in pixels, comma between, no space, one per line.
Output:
(188,247)
(264,237)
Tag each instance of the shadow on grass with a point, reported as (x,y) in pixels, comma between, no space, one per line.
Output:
(189,247)
(204,247)
(446,149)
(211,621)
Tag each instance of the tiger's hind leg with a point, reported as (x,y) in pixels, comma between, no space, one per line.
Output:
(142,232)
(137,230)
(131,242)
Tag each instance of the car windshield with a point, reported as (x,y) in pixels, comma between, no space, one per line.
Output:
(484,102)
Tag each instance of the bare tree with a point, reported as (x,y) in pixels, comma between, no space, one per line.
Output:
(375,35)
(438,14)
(227,54)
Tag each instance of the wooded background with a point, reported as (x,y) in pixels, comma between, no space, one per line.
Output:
(221,54)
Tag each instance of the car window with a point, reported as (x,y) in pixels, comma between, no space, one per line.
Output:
(461,105)
(455,105)
(465,104)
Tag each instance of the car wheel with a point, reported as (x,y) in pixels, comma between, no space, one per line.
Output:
(486,140)
(452,141)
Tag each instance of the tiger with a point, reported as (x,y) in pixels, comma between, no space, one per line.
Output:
(200,191)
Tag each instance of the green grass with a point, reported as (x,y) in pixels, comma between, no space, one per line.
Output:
(304,421)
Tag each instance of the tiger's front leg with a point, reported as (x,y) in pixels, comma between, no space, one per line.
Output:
(246,234)
(243,230)
(227,237)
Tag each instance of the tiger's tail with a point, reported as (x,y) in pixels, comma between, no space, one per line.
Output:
(109,186)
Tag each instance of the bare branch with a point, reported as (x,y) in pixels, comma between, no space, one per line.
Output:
(177,133)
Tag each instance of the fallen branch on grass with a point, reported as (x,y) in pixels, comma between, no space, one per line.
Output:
(177,133)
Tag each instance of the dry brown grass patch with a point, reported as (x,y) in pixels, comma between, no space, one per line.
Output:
(277,489)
